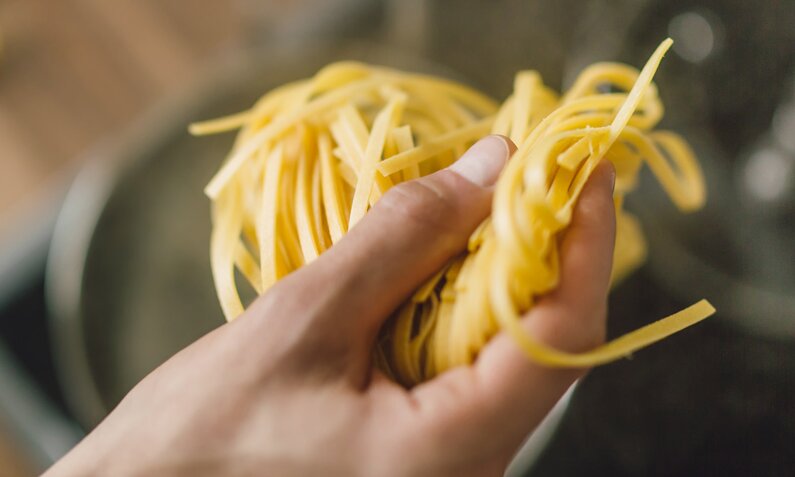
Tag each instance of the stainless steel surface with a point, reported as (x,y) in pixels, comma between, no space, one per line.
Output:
(25,239)
(41,432)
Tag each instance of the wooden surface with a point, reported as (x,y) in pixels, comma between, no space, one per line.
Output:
(75,71)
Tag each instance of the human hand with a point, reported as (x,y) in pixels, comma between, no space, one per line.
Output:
(289,388)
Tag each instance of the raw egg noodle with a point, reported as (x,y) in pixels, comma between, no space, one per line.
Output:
(312,157)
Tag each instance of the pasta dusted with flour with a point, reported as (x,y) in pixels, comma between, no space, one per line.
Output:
(311,157)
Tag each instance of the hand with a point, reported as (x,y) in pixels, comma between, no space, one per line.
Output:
(289,388)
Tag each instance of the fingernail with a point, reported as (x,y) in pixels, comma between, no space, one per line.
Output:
(483,162)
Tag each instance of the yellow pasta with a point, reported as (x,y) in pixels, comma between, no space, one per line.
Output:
(313,156)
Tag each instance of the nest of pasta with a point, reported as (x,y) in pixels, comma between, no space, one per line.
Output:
(311,158)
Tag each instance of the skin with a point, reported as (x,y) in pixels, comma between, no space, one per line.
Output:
(289,388)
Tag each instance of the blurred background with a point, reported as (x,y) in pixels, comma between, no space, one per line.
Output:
(104,268)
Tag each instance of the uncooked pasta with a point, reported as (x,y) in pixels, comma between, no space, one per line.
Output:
(313,156)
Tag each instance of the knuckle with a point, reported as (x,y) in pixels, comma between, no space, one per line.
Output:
(587,331)
(592,331)
(570,326)
(303,343)
(428,202)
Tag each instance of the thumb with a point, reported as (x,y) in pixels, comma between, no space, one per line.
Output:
(409,234)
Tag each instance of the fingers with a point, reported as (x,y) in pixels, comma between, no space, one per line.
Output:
(407,236)
(573,317)
(587,247)
(505,394)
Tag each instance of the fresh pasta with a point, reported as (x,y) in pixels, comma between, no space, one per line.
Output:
(311,158)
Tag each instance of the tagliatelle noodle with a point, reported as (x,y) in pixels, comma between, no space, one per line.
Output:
(313,156)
